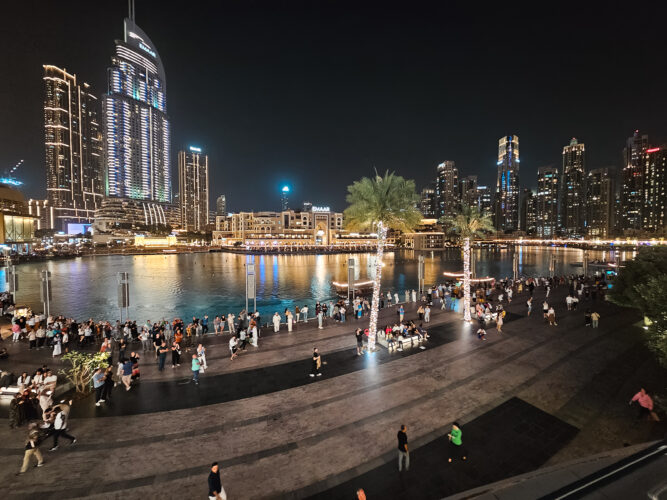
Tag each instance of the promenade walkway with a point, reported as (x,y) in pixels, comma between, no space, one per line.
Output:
(278,434)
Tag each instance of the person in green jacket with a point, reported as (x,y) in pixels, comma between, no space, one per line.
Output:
(456,443)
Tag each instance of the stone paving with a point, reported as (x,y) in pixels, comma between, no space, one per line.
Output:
(303,440)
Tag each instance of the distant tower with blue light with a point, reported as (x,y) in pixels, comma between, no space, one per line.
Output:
(507,186)
(284,198)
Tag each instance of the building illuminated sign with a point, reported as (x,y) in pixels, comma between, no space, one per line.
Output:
(146,48)
(321,209)
(13,182)
(195,149)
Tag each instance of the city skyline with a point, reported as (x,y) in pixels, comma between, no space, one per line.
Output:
(270,128)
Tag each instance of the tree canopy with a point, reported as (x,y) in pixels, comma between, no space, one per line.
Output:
(389,199)
(468,223)
(642,284)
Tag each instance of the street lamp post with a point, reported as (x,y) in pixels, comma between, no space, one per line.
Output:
(46,292)
(250,286)
(123,294)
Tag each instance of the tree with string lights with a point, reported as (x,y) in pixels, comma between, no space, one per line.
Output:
(468,225)
(380,203)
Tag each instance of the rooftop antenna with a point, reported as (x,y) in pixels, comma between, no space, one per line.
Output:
(130,6)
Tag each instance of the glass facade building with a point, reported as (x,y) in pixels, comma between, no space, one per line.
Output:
(193,189)
(136,127)
(547,202)
(507,185)
(573,184)
(447,189)
(73,148)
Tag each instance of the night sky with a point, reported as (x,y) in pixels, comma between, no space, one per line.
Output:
(316,94)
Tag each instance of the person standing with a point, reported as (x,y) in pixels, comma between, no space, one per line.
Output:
(587,317)
(98,385)
(401,314)
(289,320)
(276,322)
(32,449)
(427,314)
(304,312)
(60,429)
(175,355)
(162,355)
(297,312)
(108,383)
(230,323)
(403,453)
(499,321)
(201,353)
(545,309)
(360,341)
(215,489)
(595,318)
(196,365)
(320,316)
(316,363)
(232,347)
(551,316)
(529,304)
(456,443)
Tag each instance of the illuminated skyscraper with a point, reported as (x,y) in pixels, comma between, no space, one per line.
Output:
(193,188)
(468,189)
(73,148)
(528,217)
(654,210)
(632,199)
(547,201)
(447,189)
(221,205)
(507,185)
(573,190)
(136,127)
(284,198)
(599,203)
(427,202)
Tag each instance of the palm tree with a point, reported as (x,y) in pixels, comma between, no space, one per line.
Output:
(468,224)
(377,204)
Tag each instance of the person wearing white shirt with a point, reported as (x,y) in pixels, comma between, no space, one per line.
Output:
(230,323)
(304,311)
(276,322)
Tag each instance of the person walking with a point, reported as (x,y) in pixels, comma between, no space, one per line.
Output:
(32,449)
(60,429)
(595,318)
(276,322)
(161,355)
(126,378)
(98,385)
(529,304)
(545,309)
(215,489)
(232,347)
(403,453)
(196,365)
(427,314)
(551,316)
(499,321)
(456,443)
(401,314)
(644,404)
(360,341)
(201,354)
(316,363)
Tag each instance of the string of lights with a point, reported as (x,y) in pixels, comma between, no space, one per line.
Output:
(375,304)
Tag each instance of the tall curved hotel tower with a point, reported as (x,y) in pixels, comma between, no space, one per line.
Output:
(136,126)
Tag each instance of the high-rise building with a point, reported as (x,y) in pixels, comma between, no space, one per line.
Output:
(73,144)
(467,189)
(632,184)
(284,198)
(654,210)
(307,206)
(573,190)
(482,198)
(599,203)
(427,202)
(221,205)
(447,189)
(136,127)
(507,185)
(193,188)
(547,201)
(528,217)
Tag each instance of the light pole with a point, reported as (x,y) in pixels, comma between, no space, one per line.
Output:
(123,293)
(12,281)
(250,286)
(350,279)
(46,292)
(420,274)
(515,264)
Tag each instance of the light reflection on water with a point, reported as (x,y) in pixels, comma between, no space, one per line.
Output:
(193,284)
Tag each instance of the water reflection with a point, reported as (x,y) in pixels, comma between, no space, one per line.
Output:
(186,285)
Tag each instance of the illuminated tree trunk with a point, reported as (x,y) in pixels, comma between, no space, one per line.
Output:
(375,304)
(466,280)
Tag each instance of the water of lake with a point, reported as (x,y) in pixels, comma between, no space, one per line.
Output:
(164,286)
